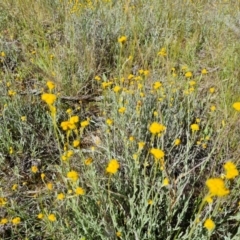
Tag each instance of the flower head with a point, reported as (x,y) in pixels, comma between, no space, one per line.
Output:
(50,85)
(4,221)
(231,170)
(16,220)
(122,39)
(217,187)
(188,74)
(236,106)
(157,153)
(195,127)
(73,176)
(79,191)
(52,217)
(113,166)
(209,224)
(177,142)
(34,169)
(60,196)
(156,127)
(49,98)
(40,216)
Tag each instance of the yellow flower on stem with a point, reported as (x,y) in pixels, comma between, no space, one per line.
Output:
(231,170)
(3,201)
(122,39)
(50,85)
(40,216)
(73,176)
(52,217)
(113,166)
(157,153)
(85,123)
(49,98)
(236,106)
(217,187)
(4,221)
(195,127)
(34,169)
(156,127)
(188,74)
(209,224)
(60,196)
(16,220)
(79,191)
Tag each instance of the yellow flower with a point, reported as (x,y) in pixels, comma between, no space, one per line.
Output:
(122,110)
(42,176)
(213,108)
(188,74)
(50,85)
(88,161)
(231,170)
(16,220)
(118,234)
(14,187)
(209,224)
(208,199)
(113,166)
(156,128)
(216,187)
(74,119)
(97,78)
(236,106)
(67,125)
(204,71)
(34,169)
(122,39)
(109,122)
(60,196)
(3,54)
(40,216)
(195,127)
(212,90)
(150,201)
(4,221)
(79,191)
(10,150)
(177,142)
(52,217)
(73,176)
(11,93)
(141,145)
(49,98)
(157,85)
(157,153)
(23,118)
(165,182)
(162,52)
(192,83)
(131,139)
(76,143)
(84,123)
(146,72)
(116,89)
(50,186)
(135,156)
(3,201)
